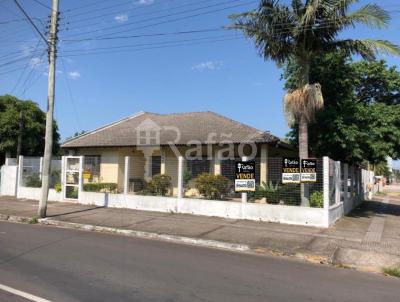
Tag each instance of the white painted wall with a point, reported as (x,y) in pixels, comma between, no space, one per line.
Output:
(8,185)
(34,193)
(225,209)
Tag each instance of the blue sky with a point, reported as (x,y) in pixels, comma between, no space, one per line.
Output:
(214,70)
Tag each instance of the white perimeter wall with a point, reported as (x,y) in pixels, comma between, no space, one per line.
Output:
(34,193)
(225,209)
(8,184)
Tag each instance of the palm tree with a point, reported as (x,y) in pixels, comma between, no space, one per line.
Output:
(303,30)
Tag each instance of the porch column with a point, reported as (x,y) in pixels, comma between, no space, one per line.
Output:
(217,162)
(126,175)
(162,168)
(263,163)
(147,164)
(180,177)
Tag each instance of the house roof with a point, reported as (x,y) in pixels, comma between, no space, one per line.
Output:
(193,127)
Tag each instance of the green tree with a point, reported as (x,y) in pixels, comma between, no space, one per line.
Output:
(301,31)
(353,126)
(34,121)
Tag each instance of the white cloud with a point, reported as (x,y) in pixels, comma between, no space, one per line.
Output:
(144,2)
(121,18)
(74,75)
(209,65)
(36,62)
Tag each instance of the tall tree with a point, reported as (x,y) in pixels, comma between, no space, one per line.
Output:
(354,126)
(299,32)
(34,121)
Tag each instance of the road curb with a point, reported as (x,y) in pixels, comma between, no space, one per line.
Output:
(13,218)
(148,235)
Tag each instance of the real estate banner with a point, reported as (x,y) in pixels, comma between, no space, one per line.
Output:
(308,170)
(290,170)
(245,176)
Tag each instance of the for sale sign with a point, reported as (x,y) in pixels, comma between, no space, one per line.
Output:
(245,176)
(308,170)
(290,170)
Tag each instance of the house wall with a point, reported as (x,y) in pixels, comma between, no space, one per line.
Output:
(113,161)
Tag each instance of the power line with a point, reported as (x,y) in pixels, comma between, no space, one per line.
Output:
(151,44)
(169,21)
(133,15)
(42,4)
(146,35)
(26,66)
(31,22)
(152,48)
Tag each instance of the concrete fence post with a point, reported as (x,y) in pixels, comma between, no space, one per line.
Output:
(63,177)
(346,186)
(338,181)
(20,171)
(41,167)
(244,194)
(180,176)
(81,165)
(325,183)
(126,175)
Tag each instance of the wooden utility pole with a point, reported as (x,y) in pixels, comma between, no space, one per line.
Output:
(48,148)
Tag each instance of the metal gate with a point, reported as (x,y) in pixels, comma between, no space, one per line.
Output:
(72,177)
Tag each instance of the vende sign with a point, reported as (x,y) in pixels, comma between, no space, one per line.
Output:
(245,176)
(290,170)
(308,170)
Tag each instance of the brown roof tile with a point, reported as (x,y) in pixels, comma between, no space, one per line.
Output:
(193,127)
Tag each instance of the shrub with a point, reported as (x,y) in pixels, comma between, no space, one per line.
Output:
(101,187)
(33,181)
(58,187)
(317,199)
(392,271)
(274,194)
(212,186)
(160,184)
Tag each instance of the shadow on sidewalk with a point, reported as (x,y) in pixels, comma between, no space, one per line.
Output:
(371,208)
(75,212)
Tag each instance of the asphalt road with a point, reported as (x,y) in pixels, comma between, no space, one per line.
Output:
(67,265)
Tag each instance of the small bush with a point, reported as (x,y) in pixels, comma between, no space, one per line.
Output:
(33,220)
(58,187)
(101,187)
(317,199)
(274,194)
(212,186)
(33,181)
(160,185)
(392,271)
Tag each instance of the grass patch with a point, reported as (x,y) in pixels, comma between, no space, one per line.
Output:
(380,194)
(33,220)
(392,271)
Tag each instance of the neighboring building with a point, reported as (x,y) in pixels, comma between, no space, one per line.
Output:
(153,142)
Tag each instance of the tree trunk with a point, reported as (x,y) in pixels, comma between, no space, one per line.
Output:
(303,135)
(303,153)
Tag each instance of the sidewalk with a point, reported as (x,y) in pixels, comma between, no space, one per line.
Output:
(368,239)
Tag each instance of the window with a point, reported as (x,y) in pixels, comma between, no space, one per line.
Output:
(148,137)
(198,166)
(155,165)
(91,168)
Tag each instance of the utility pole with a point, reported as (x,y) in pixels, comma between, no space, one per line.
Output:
(48,149)
(20,133)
